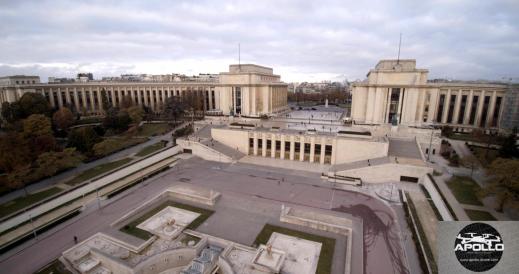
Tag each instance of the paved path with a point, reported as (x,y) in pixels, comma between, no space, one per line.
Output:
(383,226)
(82,167)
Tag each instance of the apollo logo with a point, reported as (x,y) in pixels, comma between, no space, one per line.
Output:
(478,247)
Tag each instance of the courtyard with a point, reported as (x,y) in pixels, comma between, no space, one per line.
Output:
(252,197)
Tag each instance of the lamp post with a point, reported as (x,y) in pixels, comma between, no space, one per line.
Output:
(430,145)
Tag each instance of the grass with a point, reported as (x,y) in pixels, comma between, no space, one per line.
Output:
(147,130)
(324,266)
(485,158)
(120,144)
(150,149)
(55,267)
(25,201)
(479,215)
(431,203)
(97,170)
(465,190)
(131,228)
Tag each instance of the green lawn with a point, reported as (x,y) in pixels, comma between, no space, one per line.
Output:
(148,130)
(56,267)
(324,266)
(131,228)
(22,202)
(97,170)
(150,149)
(479,215)
(120,144)
(464,189)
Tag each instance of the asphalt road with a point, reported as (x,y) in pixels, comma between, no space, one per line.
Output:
(383,251)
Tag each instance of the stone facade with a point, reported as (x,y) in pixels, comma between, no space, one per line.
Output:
(318,147)
(247,90)
(397,92)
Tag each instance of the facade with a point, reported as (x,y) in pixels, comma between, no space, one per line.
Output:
(246,90)
(396,92)
(510,118)
(312,147)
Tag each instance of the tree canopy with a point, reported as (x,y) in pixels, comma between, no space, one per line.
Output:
(63,118)
(504,181)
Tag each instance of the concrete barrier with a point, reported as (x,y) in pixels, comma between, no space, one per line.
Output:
(88,187)
(437,199)
(203,151)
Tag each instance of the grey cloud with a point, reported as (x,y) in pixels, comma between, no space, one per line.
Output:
(456,39)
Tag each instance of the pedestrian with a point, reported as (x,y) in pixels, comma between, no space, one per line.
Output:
(75,239)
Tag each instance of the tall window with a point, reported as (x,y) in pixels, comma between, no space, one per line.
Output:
(463,104)
(237,99)
(484,113)
(497,109)
(441,104)
(473,109)
(393,105)
(450,113)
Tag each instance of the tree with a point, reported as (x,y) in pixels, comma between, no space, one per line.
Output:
(11,112)
(83,139)
(14,152)
(105,147)
(63,118)
(174,108)
(104,100)
(509,147)
(126,102)
(504,181)
(37,125)
(136,113)
(50,163)
(34,103)
(470,161)
(116,120)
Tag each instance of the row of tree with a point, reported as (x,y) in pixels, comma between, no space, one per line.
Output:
(37,141)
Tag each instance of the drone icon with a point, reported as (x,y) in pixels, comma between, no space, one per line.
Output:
(474,238)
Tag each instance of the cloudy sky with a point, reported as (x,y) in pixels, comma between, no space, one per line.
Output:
(302,40)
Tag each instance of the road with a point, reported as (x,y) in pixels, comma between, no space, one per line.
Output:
(383,249)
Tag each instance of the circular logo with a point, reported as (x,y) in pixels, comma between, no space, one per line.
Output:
(478,247)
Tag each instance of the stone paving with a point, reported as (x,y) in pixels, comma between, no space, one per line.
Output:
(261,190)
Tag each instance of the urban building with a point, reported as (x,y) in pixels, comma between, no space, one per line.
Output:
(510,117)
(246,90)
(396,92)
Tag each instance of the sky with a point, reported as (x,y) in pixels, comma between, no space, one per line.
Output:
(302,40)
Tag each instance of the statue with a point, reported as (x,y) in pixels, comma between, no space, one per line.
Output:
(171,222)
(269,250)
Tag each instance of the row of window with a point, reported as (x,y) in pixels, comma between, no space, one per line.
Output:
(138,97)
(472,111)
(299,147)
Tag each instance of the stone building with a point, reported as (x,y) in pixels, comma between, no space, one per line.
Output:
(246,90)
(396,92)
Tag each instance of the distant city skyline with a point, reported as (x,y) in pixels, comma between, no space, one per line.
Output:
(310,41)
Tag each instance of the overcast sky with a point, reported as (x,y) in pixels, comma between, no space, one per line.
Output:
(302,40)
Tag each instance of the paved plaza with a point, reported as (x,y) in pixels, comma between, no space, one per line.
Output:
(251,197)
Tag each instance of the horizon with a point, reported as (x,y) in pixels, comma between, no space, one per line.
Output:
(462,40)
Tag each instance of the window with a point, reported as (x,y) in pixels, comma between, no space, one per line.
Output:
(484,113)
(440,108)
(450,113)
(473,109)
(463,104)
(497,109)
